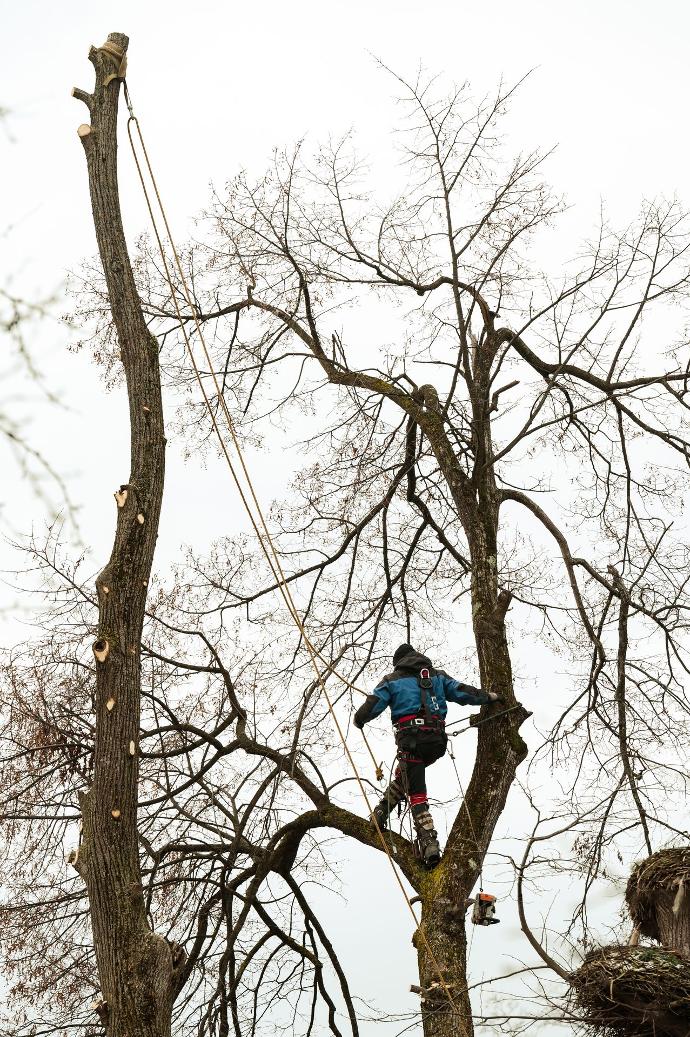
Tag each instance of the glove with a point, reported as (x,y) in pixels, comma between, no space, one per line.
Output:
(493,697)
(363,714)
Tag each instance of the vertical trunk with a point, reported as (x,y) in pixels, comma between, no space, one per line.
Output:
(500,749)
(135,966)
(445,1006)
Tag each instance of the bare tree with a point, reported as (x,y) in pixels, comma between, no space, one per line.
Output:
(427,485)
(539,463)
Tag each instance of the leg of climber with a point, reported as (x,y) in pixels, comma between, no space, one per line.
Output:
(416,752)
(430,747)
(393,795)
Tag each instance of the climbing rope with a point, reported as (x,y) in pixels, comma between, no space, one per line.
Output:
(265,540)
(272,554)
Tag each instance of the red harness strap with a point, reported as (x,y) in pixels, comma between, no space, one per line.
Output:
(410,716)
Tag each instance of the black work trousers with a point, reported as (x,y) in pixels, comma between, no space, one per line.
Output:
(417,750)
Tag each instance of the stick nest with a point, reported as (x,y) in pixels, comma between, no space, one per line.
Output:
(633,992)
(663,871)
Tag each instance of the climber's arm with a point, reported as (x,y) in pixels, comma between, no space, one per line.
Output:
(373,705)
(466,694)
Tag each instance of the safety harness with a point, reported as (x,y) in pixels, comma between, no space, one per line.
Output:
(426,720)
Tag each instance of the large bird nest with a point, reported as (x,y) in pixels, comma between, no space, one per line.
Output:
(663,872)
(633,992)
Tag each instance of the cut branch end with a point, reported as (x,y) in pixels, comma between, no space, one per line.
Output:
(101,649)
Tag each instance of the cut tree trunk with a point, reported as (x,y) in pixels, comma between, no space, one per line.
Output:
(136,970)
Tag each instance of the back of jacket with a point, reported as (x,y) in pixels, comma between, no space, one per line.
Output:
(401,691)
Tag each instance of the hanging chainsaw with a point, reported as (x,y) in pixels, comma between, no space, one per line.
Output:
(484,909)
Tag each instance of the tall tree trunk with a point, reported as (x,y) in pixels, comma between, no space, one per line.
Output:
(500,748)
(445,892)
(135,966)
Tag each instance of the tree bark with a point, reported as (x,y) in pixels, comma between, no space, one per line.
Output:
(136,969)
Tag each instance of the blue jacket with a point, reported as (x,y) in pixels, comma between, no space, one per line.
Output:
(401,691)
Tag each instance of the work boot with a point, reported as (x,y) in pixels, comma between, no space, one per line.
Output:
(380,815)
(392,796)
(427,836)
(429,848)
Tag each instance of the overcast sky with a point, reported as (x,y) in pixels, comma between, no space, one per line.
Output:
(217,86)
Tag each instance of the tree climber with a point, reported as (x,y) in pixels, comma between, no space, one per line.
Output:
(417,695)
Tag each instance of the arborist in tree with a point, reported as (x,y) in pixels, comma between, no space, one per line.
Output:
(417,695)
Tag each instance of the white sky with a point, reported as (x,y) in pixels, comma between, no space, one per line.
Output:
(216,87)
